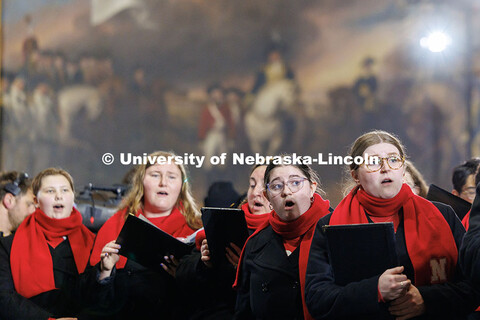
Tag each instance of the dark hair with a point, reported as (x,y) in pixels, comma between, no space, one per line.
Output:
(10,177)
(309,173)
(215,86)
(463,171)
(235,90)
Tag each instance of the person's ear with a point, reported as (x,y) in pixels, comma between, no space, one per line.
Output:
(9,201)
(355,176)
(455,192)
(313,187)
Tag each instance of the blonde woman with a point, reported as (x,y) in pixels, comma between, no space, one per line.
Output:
(161,193)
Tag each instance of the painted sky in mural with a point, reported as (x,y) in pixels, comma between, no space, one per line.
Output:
(334,50)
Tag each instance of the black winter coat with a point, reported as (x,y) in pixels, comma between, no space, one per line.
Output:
(359,300)
(80,296)
(269,286)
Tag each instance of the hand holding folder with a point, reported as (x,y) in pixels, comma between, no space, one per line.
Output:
(360,251)
(222,227)
(147,244)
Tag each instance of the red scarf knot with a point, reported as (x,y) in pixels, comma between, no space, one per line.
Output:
(30,258)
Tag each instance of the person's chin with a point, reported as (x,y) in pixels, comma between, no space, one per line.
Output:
(387,194)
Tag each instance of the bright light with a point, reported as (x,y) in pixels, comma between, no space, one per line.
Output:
(436,41)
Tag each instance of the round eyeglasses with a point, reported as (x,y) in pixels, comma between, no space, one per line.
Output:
(275,188)
(375,163)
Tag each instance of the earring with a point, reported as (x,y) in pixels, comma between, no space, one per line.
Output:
(270,205)
(312,199)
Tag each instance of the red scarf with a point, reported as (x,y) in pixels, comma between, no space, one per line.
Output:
(428,236)
(466,220)
(173,224)
(303,227)
(30,258)
(253,220)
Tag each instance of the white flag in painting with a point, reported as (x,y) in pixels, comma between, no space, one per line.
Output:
(102,10)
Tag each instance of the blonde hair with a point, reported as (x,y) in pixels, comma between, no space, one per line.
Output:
(417,178)
(37,181)
(363,142)
(134,200)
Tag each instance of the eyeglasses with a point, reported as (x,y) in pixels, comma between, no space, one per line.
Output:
(375,163)
(470,193)
(294,185)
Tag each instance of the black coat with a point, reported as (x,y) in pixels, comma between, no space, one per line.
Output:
(141,293)
(269,286)
(208,291)
(359,300)
(470,250)
(77,295)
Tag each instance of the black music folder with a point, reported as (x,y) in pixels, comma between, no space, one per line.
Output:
(460,206)
(147,244)
(360,251)
(223,226)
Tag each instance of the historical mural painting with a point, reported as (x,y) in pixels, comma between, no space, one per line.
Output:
(81,79)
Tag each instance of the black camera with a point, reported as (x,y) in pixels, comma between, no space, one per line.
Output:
(97,204)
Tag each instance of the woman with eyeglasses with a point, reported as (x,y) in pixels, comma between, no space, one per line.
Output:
(271,273)
(427,283)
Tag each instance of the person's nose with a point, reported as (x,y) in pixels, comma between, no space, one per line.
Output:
(163,180)
(384,166)
(286,190)
(58,195)
(258,190)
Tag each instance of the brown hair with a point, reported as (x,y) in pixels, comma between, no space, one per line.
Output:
(134,200)
(10,177)
(245,199)
(365,141)
(309,173)
(37,181)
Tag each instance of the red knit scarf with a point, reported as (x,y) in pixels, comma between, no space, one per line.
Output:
(303,227)
(173,224)
(428,236)
(30,258)
(253,220)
